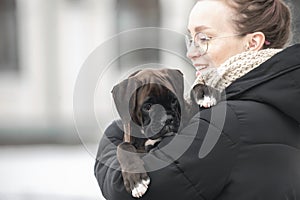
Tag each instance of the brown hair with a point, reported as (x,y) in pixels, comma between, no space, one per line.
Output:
(272,17)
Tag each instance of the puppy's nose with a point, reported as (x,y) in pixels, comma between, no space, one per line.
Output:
(169,119)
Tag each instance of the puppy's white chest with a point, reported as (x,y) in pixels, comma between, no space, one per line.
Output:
(150,142)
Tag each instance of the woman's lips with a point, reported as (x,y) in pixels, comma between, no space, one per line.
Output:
(199,68)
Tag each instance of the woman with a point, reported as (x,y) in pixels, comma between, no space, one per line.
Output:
(254,152)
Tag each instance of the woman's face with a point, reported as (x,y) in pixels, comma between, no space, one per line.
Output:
(214,19)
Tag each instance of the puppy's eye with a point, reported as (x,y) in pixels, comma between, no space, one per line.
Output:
(147,107)
(174,102)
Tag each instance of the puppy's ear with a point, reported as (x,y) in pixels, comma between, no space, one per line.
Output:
(177,81)
(124,93)
(177,71)
(134,73)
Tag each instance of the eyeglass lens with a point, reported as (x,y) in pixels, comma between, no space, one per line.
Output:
(200,42)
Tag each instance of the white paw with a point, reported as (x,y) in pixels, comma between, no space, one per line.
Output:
(207,102)
(146,182)
(140,189)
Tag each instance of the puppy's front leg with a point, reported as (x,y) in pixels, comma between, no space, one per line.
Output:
(135,178)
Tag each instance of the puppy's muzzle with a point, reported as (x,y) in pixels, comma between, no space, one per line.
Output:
(168,123)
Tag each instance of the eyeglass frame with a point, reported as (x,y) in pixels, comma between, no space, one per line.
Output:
(189,42)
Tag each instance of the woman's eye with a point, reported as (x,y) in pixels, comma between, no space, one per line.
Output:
(189,40)
(204,39)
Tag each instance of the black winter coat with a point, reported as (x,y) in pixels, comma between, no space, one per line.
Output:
(247,147)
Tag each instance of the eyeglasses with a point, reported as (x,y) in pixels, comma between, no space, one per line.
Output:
(201,40)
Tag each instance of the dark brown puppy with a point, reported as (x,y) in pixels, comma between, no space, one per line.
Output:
(151,105)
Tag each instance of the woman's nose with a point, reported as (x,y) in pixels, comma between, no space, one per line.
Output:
(192,52)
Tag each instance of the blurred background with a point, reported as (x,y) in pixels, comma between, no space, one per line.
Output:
(43,45)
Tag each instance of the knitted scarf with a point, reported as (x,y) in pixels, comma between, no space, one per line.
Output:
(233,68)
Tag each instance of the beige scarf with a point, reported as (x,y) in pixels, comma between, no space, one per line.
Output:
(234,68)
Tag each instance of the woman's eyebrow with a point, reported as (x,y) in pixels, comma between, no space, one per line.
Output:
(199,28)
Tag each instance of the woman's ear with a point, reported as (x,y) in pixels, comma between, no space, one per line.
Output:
(255,41)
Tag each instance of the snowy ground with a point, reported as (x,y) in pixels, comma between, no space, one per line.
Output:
(47,172)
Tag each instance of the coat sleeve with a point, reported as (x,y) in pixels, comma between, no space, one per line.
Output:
(177,168)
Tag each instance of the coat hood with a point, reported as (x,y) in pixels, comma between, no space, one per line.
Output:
(276,82)
(124,93)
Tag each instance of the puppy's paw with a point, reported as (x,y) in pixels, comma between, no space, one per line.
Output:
(207,101)
(136,183)
(140,188)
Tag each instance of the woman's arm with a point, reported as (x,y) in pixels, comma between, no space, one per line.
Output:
(175,167)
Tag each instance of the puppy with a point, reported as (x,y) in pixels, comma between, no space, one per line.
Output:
(150,103)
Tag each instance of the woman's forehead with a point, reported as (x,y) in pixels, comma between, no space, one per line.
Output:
(210,15)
